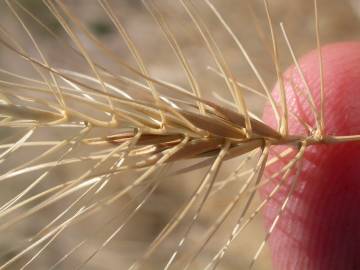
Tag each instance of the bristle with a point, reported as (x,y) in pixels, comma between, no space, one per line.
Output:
(88,152)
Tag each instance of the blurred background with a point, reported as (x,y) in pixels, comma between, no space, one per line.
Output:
(339,21)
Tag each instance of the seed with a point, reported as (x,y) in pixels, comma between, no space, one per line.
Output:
(108,141)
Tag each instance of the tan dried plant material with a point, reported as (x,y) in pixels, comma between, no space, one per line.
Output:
(89,156)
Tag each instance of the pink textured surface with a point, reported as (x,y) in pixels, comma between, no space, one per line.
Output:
(320,228)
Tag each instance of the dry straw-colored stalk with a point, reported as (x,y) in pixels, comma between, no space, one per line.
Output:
(105,142)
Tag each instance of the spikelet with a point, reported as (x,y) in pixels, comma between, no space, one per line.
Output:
(87,156)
